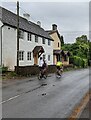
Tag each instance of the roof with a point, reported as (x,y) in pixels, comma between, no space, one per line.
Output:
(63,53)
(58,52)
(9,18)
(54,31)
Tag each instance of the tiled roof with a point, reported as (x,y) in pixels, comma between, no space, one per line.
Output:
(58,52)
(10,18)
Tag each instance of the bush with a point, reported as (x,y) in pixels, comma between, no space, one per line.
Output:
(80,62)
(3,69)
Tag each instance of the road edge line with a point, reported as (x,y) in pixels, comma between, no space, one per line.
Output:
(78,109)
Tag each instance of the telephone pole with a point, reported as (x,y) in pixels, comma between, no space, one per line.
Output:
(17,37)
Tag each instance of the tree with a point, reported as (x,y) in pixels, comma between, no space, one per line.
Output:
(62,41)
(81,48)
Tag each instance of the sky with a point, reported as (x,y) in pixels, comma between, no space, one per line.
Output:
(71,18)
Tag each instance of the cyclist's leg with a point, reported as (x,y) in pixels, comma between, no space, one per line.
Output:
(57,72)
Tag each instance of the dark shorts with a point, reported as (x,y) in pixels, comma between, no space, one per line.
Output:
(58,67)
(40,68)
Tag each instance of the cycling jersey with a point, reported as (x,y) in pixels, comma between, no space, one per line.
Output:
(59,64)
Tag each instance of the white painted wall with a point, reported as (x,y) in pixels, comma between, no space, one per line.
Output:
(10,48)
(29,46)
(0,45)
(48,51)
(1,24)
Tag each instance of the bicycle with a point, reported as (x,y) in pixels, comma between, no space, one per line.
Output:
(42,74)
(59,72)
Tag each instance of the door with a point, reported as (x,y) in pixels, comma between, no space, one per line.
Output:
(36,59)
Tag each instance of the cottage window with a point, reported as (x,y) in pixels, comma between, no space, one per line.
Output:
(43,40)
(28,55)
(21,34)
(44,57)
(58,44)
(48,57)
(65,58)
(29,36)
(21,55)
(36,38)
(49,43)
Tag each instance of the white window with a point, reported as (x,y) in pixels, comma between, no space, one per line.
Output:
(43,40)
(58,44)
(21,34)
(48,57)
(36,38)
(44,57)
(21,55)
(29,36)
(28,55)
(49,42)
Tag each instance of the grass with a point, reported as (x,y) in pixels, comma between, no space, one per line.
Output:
(10,75)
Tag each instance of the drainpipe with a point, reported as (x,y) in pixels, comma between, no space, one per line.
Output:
(1,44)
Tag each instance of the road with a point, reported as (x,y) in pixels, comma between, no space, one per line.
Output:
(46,98)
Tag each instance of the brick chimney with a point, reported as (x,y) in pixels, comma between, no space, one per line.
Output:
(54,27)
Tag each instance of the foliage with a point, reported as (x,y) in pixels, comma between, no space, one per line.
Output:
(3,69)
(78,61)
(62,41)
(79,50)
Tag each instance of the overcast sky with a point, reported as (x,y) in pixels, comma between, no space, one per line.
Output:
(72,18)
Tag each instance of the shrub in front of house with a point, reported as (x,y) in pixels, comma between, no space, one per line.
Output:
(3,69)
(79,62)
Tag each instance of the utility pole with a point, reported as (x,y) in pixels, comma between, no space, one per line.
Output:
(17,37)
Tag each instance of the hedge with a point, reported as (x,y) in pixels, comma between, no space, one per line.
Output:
(78,61)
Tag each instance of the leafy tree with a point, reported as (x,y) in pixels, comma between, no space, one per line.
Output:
(62,41)
(81,48)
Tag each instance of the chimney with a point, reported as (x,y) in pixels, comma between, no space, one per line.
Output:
(26,16)
(39,23)
(54,27)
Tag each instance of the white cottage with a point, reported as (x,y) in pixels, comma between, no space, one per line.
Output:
(33,39)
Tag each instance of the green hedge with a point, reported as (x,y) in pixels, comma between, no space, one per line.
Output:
(3,69)
(78,61)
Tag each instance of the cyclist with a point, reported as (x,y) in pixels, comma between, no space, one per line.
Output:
(41,64)
(59,66)
(45,66)
(42,68)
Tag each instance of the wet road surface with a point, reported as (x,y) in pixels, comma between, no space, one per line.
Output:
(46,98)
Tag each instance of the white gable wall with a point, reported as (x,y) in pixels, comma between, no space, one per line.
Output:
(10,48)
(29,46)
(0,46)
(1,24)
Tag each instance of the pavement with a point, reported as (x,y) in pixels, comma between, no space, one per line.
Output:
(85,112)
(46,98)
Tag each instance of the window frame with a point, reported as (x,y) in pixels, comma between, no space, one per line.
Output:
(49,42)
(49,57)
(29,36)
(44,56)
(36,38)
(65,58)
(21,55)
(29,55)
(43,40)
(58,44)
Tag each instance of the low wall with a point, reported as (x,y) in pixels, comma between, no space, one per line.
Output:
(33,70)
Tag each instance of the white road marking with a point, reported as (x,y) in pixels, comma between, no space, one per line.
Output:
(9,99)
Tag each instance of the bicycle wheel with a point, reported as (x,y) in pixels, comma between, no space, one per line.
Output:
(39,76)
